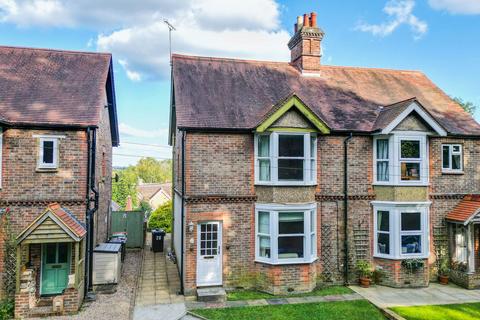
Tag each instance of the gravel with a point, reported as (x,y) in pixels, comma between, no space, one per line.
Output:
(116,305)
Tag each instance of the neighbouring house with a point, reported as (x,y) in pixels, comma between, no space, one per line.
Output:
(155,194)
(58,123)
(294,171)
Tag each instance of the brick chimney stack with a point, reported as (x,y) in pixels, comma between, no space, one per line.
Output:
(305,45)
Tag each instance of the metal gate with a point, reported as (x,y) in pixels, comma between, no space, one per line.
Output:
(131,222)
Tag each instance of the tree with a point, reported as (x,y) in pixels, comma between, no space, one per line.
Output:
(161,218)
(468,106)
(151,170)
(125,185)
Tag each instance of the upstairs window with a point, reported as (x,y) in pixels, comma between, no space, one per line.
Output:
(452,158)
(400,159)
(285,158)
(48,153)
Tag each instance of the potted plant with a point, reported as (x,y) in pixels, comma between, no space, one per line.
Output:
(443,271)
(365,271)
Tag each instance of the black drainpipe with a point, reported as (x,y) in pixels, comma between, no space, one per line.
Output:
(91,146)
(345,206)
(183,215)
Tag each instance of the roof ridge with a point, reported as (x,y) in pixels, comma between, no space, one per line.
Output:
(399,102)
(57,50)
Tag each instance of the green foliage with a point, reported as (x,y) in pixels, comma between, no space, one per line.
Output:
(444,267)
(468,106)
(364,269)
(7,307)
(148,170)
(151,170)
(161,218)
(338,310)
(466,311)
(146,208)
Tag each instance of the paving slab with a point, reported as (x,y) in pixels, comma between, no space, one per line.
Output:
(386,297)
(172,311)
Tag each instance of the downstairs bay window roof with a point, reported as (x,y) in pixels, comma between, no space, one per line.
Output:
(467,211)
(55,224)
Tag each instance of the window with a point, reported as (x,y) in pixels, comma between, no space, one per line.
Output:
(285,158)
(286,234)
(460,254)
(401,159)
(382,160)
(452,158)
(401,230)
(48,155)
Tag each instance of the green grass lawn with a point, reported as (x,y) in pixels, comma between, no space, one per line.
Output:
(253,294)
(464,311)
(340,310)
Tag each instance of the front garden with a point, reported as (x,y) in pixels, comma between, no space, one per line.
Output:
(464,311)
(252,294)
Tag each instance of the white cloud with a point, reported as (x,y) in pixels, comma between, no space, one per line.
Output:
(138,38)
(401,13)
(457,6)
(131,131)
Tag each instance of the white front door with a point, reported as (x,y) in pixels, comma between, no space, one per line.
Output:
(209,254)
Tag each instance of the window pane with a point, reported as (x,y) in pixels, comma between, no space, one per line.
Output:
(411,244)
(51,254)
(62,252)
(312,146)
(411,221)
(446,157)
(382,149)
(410,149)
(312,245)
(264,166)
(290,169)
(290,247)
(290,146)
(383,243)
(312,169)
(264,222)
(47,152)
(312,221)
(264,247)
(410,171)
(383,221)
(263,146)
(456,159)
(290,222)
(456,148)
(382,171)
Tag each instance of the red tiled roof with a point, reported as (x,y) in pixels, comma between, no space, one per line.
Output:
(52,87)
(148,190)
(68,219)
(215,93)
(469,206)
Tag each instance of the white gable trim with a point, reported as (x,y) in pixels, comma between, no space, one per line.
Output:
(421,112)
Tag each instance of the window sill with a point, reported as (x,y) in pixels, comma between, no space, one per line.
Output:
(418,184)
(40,169)
(452,172)
(282,263)
(422,256)
(286,184)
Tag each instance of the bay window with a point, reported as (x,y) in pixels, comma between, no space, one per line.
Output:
(401,230)
(452,160)
(285,158)
(401,159)
(285,233)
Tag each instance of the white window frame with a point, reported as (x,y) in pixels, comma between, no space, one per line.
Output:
(309,247)
(450,154)
(40,163)
(395,210)
(395,160)
(308,171)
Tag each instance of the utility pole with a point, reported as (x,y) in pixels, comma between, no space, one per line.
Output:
(170,29)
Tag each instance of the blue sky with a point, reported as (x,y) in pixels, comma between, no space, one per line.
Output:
(439,37)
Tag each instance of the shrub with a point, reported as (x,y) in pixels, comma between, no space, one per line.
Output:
(161,218)
(7,307)
(364,269)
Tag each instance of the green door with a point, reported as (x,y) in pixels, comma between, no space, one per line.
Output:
(55,267)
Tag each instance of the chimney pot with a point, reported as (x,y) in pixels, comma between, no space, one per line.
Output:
(313,18)
(299,23)
(306,20)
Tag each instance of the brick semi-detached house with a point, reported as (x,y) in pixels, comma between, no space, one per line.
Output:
(291,172)
(58,124)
